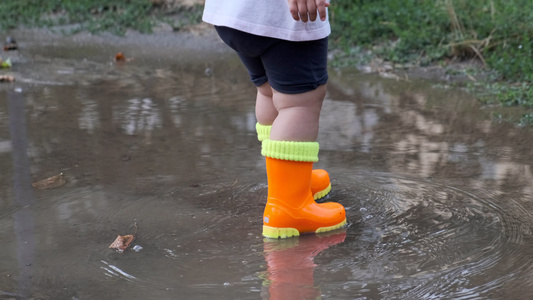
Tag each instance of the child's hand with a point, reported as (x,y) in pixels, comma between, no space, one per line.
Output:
(305,10)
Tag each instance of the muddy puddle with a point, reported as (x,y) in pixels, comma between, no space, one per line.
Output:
(439,199)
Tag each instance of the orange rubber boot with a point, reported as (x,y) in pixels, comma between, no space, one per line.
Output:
(320,182)
(291,208)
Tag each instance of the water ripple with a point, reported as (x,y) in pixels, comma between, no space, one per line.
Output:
(429,240)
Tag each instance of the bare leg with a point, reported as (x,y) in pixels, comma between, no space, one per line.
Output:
(298,115)
(265,111)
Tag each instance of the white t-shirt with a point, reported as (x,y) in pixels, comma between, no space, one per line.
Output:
(265,18)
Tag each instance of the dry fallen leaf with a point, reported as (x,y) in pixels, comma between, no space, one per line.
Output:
(122,242)
(10,44)
(50,183)
(10,47)
(120,57)
(6,78)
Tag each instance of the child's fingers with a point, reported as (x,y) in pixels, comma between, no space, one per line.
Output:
(302,10)
(312,10)
(305,10)
(293,8)
(322,13)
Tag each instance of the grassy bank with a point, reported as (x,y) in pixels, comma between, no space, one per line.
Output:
(497,33)
(95,16)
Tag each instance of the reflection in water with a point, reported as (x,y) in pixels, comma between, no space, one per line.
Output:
(140,116)
(88,119)
(23,220)
(424,134)
(291,265)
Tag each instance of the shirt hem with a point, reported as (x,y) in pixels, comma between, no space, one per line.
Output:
(261,30)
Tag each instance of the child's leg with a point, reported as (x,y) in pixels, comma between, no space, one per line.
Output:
(298,115)
(265,111)
(266,114)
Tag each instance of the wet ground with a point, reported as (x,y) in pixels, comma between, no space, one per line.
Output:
(439,199)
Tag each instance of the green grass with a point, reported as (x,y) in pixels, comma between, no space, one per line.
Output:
(499,33)
(510,94)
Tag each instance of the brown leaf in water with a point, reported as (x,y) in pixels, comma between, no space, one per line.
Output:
(10,47)
(120,57)
(10,44)
(50,183)
(122,242)
(6,78)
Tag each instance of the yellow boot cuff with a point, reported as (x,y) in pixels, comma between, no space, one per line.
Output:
(294,151)
(263,131)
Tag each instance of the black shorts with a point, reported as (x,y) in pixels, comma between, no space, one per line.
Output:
(289,67)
